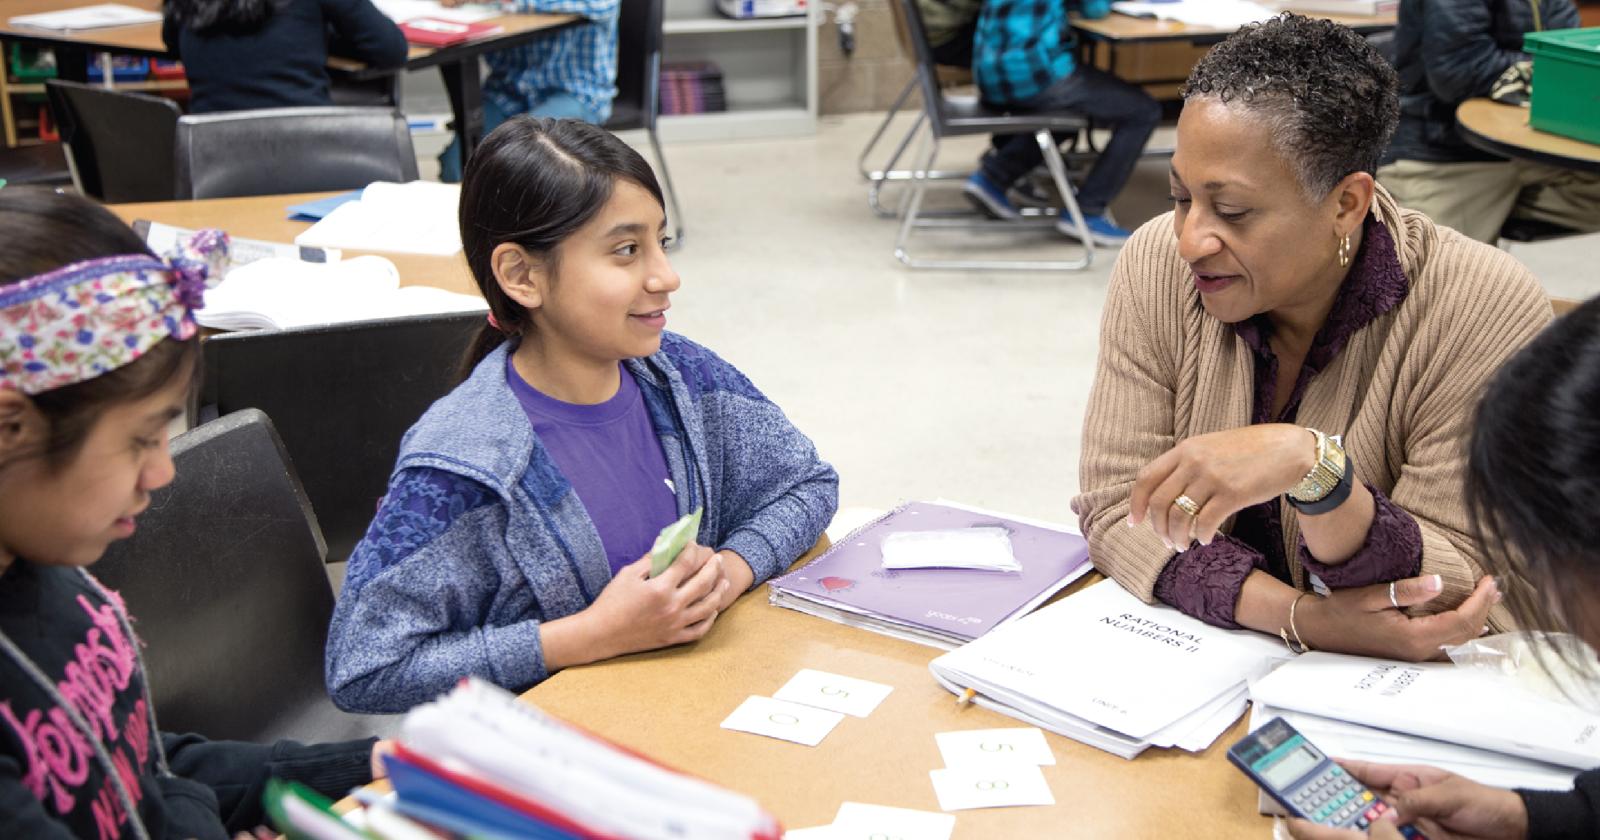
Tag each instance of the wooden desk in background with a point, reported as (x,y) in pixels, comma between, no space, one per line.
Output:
(263,217)
(669,704)
(1166,49)
(1504,130)
(458,64)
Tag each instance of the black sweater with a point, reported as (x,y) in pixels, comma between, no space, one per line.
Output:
(51,785)
(1565,815)
(283,62)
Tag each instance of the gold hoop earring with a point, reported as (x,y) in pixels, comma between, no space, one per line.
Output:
(1344,251)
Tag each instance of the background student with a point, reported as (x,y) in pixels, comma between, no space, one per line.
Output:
(570,74)
(242,54)
(1449,51)
(1532,493)
(509,543)
(98,350)
(1022,59)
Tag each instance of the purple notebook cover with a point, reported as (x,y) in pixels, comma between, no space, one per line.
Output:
(962,602)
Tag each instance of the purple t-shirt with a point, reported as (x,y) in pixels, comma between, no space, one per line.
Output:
(613,458)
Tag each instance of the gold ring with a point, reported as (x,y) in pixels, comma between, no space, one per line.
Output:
(1187,505)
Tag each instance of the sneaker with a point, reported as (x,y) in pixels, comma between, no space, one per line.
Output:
(989,198)
(1101,229)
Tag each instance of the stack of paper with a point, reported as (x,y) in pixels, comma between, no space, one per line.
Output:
(1471,707)
(103,16)
(278,293)
(944,606)
(414,218)
(1218,14)
(401,11)
(1107,669)
(479,762)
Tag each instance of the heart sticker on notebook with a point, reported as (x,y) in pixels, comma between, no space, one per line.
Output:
(836,584)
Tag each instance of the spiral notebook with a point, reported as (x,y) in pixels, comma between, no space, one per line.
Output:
(938,607)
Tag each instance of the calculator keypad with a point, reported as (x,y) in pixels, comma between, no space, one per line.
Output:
(1333,798)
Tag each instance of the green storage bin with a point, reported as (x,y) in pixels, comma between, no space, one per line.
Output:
(30,65)
(1566,82)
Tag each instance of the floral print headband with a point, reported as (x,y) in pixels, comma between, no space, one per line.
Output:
(79,321)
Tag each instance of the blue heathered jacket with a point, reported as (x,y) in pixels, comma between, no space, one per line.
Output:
(480,537)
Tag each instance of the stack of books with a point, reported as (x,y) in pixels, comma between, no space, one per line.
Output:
(945,604)
(1104,668)
(480,763)
(692,88)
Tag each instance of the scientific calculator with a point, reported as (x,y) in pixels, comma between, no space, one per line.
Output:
(1305,781)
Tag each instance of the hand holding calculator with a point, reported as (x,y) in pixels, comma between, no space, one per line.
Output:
(1307,783)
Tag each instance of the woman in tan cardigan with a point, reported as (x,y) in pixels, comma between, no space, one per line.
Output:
(1288,362)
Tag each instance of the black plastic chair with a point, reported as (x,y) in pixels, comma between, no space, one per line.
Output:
(638,101)
(341,396)
(275,151)
(947,116)
(119,145)
(226,584)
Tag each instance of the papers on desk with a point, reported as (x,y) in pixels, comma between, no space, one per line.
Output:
(163,240)
(103,16)
(1220,14)
(1473,707)
(480,762)
(942,607)
(1106,669)
(1354,8)
(414,218)
(856,821)
(282,293)
(401,11)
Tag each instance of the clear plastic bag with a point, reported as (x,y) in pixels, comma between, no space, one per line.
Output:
(1565,669)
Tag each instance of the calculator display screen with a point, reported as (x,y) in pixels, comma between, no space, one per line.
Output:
(1290,766)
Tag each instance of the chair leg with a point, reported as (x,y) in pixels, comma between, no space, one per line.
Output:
(876,190)
(919,186)
(861,163)
(1058,171)
(672,192)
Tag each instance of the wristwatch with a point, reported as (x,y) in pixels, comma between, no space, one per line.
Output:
(1327,485)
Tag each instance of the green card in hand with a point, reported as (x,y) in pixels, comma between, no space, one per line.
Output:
(671,541)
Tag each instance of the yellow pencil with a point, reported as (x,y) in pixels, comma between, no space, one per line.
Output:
(966,696)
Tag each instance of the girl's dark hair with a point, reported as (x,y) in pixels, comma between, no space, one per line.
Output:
(1332,101)
(534,182)
(1532,487)
(42,230)
(223,17)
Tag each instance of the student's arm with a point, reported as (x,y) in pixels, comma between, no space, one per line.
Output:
(1460,58)
(363,33)
(237,772)
(1092,9)
(592,9)
(411,619)
(775,495)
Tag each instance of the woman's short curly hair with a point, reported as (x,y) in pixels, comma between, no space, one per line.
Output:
(1330,99)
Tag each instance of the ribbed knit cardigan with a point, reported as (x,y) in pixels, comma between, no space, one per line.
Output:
(1402,391)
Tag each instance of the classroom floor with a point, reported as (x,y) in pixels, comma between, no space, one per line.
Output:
(914,384)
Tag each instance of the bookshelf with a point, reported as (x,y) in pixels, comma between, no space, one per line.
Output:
(769,71)
(22,97)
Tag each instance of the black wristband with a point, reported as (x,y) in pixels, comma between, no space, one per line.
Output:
(1335,497)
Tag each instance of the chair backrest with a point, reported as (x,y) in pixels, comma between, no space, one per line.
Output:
(226,582)
(119,145)
(638,65)
(274,151)
(909,16)
(341,396)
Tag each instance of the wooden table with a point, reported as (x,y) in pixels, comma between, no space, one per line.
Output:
(1504,130)
(458,64)
(1117,29)
(263,217)
(669,704)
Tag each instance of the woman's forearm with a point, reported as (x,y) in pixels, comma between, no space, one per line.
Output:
(1337,535)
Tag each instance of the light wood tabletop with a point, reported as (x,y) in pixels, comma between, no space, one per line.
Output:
(265,218)
(669,704)
(1126,28)
(1504,130)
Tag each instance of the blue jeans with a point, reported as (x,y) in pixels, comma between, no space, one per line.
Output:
(1102,97)
(558,105)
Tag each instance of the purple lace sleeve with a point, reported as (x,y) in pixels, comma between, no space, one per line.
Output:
(1393,550)
(1205,580)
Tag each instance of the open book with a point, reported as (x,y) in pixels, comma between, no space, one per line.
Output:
(277,293)
(414,218)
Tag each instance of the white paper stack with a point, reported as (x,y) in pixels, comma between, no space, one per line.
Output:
(414,218)
(280,293)
(1219,14)
(1107,669)
(401,11)
(102,16)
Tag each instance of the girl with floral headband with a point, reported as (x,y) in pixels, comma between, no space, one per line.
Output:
(98,350)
